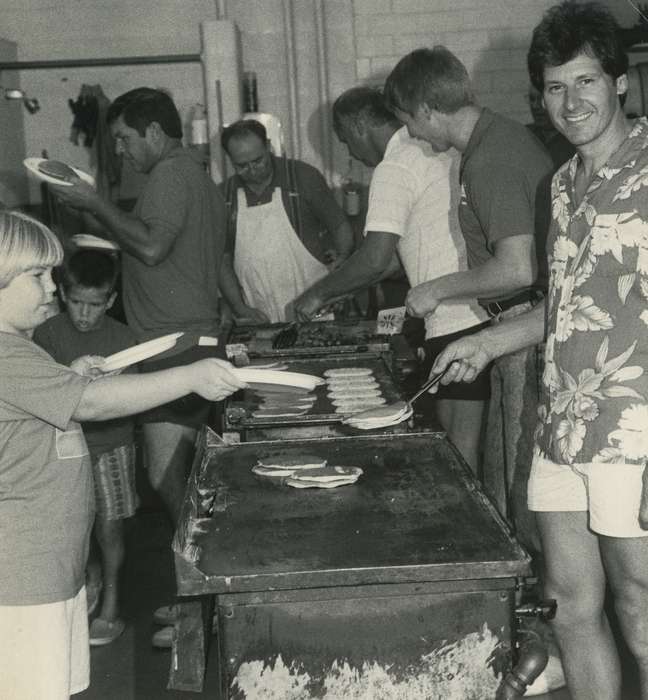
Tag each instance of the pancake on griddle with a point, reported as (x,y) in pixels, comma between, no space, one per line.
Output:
(293,462)
(348,372)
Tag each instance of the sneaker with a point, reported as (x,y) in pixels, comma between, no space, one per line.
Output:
(552,678)
(104,632)
(166,615)
(93,594)
(163,638)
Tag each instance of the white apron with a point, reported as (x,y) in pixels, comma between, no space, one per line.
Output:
(272,264)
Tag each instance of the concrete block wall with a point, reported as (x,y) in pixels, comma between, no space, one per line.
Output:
(491,38)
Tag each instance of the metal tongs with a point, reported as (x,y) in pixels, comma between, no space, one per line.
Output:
(391,414)
(432,381)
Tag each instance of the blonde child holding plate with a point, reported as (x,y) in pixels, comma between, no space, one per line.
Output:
(46,492)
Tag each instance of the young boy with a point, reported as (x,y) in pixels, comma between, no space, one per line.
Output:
(46,493)
(89,279)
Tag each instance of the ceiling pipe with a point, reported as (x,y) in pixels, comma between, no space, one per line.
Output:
(326,132)
(291,65)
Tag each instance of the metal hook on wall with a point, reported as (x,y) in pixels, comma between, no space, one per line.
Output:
(31,104)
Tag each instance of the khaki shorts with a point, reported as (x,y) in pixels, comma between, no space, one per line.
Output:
(44,650)
(610,493)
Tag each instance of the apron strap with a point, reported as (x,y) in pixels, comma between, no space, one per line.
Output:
(231,210)
(293,195)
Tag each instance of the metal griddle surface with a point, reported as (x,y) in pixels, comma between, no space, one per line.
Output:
(415,514)
(238,410)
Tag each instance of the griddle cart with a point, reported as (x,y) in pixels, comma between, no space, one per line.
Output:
(400,585)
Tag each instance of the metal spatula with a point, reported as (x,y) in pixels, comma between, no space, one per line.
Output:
(432,381)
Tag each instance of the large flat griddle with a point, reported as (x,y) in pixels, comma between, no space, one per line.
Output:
(239,408)
(354,336)
(415,514)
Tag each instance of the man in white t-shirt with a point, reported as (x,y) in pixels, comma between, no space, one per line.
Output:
(412,214)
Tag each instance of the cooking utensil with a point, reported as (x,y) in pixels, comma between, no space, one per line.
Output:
(382,416)
(433,381)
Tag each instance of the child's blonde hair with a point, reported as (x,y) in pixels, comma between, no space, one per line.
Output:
(25,243)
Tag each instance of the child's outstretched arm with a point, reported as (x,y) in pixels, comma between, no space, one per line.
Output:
(126,394)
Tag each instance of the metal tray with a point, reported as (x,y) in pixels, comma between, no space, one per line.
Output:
(239,407)
(356,335)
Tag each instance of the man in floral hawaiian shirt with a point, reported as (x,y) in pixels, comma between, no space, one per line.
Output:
(587,482)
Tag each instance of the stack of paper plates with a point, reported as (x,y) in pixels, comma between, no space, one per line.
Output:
(273,376)
(137,353)
(86,240)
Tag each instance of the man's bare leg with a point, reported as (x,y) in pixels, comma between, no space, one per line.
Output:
(626,563)
(169,450)
(575,577)
(462,420)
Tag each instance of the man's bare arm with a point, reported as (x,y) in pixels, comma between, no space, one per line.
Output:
(512,267)
(368,265)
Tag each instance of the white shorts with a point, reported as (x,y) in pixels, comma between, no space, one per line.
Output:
(609,492)
(44,650)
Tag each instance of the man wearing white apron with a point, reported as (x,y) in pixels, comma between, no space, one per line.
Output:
(279,212)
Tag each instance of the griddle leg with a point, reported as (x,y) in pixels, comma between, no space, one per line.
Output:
(191,644)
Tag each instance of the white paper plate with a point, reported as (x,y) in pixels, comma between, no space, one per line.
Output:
(87,240)
(273,376)
(137,353)
(32,165)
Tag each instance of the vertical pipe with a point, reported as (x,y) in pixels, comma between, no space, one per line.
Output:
(221,9)
(222,81)
(291,69)
(326,132)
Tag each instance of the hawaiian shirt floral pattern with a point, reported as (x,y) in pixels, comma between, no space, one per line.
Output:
(595,383)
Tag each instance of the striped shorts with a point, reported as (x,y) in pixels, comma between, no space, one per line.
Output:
(114,483)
